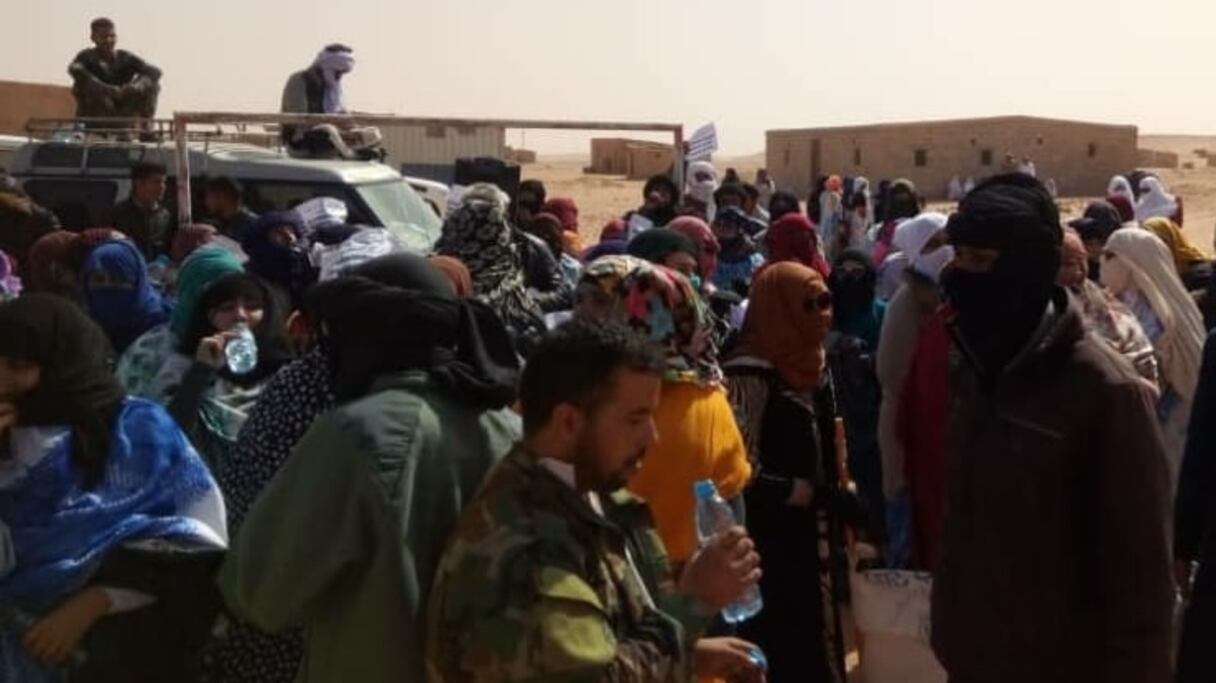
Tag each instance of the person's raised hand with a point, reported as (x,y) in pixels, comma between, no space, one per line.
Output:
(722,570)
(211,349)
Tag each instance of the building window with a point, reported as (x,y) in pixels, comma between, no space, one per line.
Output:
(436,132)
(466,130)
(857,156)
(986,157)
(921,158)
(1093,150)
(1039,141)
(787,156)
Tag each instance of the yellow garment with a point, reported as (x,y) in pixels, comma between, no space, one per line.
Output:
(698,439)
(1184,253)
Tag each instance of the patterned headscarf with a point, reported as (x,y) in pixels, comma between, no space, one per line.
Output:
(664,305)
(479,235)
(608,272)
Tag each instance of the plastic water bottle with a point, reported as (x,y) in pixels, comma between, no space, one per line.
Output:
(242,351)
(757,656)
(714,516)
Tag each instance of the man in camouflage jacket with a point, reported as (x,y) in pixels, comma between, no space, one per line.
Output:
(554,573)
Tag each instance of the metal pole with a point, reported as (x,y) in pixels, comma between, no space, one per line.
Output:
(184,210)
(677,164)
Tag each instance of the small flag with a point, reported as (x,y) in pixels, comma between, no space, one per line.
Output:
(703,143)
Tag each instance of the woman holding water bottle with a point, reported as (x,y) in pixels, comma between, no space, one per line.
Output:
(781,393)
(209,363)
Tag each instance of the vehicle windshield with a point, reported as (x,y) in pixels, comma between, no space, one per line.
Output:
(401,210)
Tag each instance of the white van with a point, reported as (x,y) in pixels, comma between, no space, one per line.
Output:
(81,182)
(9,144)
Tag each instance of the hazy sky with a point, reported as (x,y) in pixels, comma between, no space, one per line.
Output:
(748,65)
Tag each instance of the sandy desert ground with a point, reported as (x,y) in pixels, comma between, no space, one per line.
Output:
(601,198)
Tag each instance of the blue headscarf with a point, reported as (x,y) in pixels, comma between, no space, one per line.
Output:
(285,266)
(118,295)
(154,486)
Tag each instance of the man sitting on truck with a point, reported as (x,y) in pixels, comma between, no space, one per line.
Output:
(225,209)
(318,90)
(111,83)
(142,216)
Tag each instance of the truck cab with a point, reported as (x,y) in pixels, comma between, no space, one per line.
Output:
(81,180)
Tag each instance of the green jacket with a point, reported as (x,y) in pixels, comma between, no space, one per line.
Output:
(346,538)
(536,586)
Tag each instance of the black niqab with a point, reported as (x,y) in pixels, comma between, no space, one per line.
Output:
(998,310)
(853,291)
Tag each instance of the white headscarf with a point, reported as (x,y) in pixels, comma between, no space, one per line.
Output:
(334,63)
(703,190)
(954,190)
(861,185)
(1142,262)
(911,237)
(363,246)
(1120,187)
(1154,201)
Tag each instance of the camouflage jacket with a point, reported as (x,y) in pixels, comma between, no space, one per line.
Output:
(537,586)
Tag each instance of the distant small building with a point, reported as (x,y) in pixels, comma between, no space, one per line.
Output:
(1081,157)
(20,102)
(520,156)
(634,159)
(1152,158)
(431,151)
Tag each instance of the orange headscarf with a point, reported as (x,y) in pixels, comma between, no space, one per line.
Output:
(787,322)
(456,272)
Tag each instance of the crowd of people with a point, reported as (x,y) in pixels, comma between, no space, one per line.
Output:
(285,447)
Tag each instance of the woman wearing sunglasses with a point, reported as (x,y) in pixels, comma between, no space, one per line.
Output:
(782,396)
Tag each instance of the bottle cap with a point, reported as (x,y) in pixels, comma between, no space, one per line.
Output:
(704,489)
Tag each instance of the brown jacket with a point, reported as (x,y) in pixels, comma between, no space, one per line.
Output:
(1056,563)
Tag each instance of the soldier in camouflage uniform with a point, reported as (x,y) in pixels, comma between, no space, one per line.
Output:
(554,572)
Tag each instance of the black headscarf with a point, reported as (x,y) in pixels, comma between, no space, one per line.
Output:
(902,201)
(274,351)
(666,213)
(997,311)
(287,267)
(781,204)
(398,313)
(852,293)
(77,387)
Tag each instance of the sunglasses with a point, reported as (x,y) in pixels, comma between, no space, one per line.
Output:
(820,303)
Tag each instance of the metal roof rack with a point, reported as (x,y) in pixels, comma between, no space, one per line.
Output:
(87,131)
(182,122)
